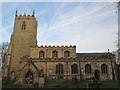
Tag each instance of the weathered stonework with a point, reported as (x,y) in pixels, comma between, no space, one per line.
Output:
(23,57)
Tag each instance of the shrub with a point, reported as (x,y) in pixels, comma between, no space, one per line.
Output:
(6,80)
(35,84)
(17,84)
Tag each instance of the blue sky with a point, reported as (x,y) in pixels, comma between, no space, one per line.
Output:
(91,26)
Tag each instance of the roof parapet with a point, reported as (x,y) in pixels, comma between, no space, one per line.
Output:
(62,46)
(24,15)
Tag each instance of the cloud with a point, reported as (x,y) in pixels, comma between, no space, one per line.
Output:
(8,17)
(64,19)
(88,26)
(60,19)
(6,33)
(98,40)
(83,30)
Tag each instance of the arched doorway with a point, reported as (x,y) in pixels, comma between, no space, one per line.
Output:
(29,78)
(97,74)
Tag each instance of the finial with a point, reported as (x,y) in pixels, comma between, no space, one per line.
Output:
(108,50)
(24,13)
(16,13)
(33,13)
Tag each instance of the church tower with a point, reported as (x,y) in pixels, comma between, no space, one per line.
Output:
(22,39)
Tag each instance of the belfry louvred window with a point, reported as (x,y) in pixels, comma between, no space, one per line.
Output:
(23,26)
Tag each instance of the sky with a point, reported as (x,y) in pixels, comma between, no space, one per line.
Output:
(91,26)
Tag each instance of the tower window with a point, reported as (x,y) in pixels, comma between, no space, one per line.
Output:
(23,26)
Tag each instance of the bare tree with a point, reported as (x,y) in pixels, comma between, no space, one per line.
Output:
(118,51)
(3,53)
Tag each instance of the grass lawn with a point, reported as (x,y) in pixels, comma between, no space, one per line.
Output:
(83,84)
(7,85)
(109,84)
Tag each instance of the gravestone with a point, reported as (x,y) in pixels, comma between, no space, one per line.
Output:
(41,82)
(41,79)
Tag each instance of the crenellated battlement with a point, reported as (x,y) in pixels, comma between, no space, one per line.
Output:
(49,50)
(54,46)
(24,15)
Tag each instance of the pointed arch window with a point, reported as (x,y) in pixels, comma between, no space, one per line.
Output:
(23,26)
(29,78)
(66,54)
(41,54)
(12,75)
(104,68)
(54,54)
(59,69)
(74,68)
(88,69)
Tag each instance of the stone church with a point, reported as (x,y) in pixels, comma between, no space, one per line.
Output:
(26,62)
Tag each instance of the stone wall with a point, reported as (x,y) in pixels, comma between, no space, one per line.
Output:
(49,67)
(49,49)
(21,42)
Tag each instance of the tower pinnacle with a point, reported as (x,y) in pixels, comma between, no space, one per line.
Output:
(33,13)
(24,14)
(16,13)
